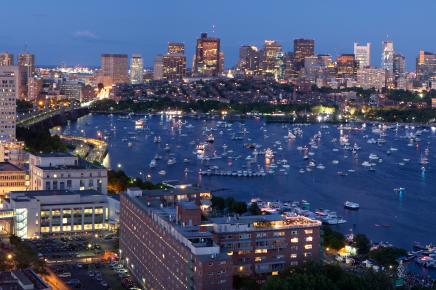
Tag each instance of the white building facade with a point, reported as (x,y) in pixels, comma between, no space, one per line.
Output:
(62,171)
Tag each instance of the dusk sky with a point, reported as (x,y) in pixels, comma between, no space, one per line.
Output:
(77,32)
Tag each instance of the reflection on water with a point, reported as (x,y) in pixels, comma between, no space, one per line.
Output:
(322,164)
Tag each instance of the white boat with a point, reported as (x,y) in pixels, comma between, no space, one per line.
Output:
(129,144)
(290,136)
(152,163)
(171,161)
(210,138)
(351,205)
(156,139)
(139,123)
(162,172)
(269,154)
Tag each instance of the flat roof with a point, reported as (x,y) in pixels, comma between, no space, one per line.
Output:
(81,164)
(52,154)
(173,191)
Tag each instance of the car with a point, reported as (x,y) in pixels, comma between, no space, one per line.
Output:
(65,275)
(122,271)
(98,278)
(74,282)
(91,273)
(79,266)
(103,283)
(124,275)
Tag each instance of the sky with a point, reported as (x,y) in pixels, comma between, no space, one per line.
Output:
(77,32)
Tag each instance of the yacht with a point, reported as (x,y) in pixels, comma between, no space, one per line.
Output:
(210,138)
(269,154)
(152,163)
(351,205)
(139,123)
(156,139)
(162,172)
(171,161)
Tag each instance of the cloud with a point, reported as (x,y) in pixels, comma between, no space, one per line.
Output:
(85,35)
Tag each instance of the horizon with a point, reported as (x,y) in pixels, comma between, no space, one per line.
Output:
(78,33)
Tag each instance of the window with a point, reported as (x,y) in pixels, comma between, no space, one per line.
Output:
(55,185)
(261,251)
(308,254)
(69,183)
(294,233)
(308,247)
(261,235)
(62,185)
(279,234)
(294,240)
(307,232)
(309,239)
(294,256)
(47,185)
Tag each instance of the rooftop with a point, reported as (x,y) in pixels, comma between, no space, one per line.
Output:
(82,164)
(174,191)
(52,154)
(6,166)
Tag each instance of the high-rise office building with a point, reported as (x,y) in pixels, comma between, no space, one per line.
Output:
(158,68)
(136,69)
(346,66)
(388,56)
(173,63)
(26,63)
(207,56)
(270,57)
(399,68)
(176,48)
(249,60)
(6,59)
(302,48)
(9,88)
(114,69)
(362,53)
(425,66)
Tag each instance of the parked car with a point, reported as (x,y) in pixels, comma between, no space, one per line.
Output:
(65,275)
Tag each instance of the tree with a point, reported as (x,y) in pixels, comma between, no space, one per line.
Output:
(362,244)
(254,209)
(387,256)
(332,239)
(218,203)
(239,207)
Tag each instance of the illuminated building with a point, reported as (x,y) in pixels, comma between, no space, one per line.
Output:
(35,86)
(44,213)
(346,66)
(165,241)
(368,78)
(425,66)
(114,69)
(60,171)
(176,48)
(249,60)
(9,88)
(399,69)
(158,68)
(6,59)
(207,56)
(388,61)
(270,58)
(27,60)
(302,48)
(72,89)
(221,70)
(362,53)
(136,69)
(12,178)
(13,152)
(174,66)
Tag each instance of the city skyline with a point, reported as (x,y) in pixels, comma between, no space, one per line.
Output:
(85,34)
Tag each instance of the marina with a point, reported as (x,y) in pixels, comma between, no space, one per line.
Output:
(382,172)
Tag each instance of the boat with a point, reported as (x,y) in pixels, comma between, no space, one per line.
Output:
(210,138)
(162,172)
(156,139)
(351,205)
(171,161)
(269,154)
(139,123)
(152,163)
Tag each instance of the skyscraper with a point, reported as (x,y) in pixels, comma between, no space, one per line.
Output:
(158,68)
(425,66)
(136,69)
(249,60)
(388,56)
(176,48)
(174,62)
(26,63)
(270,57)
(302,48)
(6,59)
(114,69)
(9,83)
(207,56)
(399,65)
(362,53)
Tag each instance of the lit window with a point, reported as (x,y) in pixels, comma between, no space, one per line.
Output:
(293,256)
(309,239)
(308,232)
(308,247)
(294,240)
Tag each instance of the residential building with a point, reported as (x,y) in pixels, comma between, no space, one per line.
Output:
(207,56)
(167,244)
(302,48)
(136,69)
(399,69)
(164,248)
(368,78)
(388,61)
(362,53)
(12,178)
(13,152)
(54,212)
(9,87)
(72,89)
(114,69)
(6,59)
(63,171)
